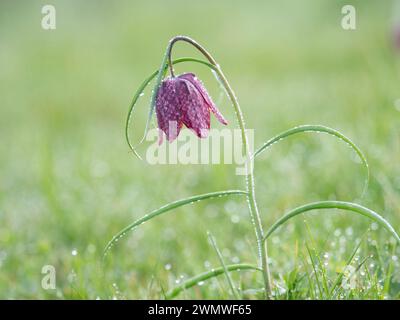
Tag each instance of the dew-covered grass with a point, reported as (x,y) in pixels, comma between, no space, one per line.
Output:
(68,182)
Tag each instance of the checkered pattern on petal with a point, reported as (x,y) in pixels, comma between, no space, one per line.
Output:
(184,100)
(168,109)
(195,112)
(200,87)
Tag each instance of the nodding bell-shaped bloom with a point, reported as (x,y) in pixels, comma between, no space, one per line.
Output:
(183,100)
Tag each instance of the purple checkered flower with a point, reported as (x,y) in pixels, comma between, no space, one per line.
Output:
(183,100)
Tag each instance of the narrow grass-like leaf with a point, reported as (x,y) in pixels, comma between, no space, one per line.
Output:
(373,290)
(349,206)
(313,264)
(169,207)
(293,278)
(339,278)
(221,260)
(160,76)
(320,129)
(348,279)
(208,275)
(388,276)
(320,265)
(135,99)
(140,92)
(311,288)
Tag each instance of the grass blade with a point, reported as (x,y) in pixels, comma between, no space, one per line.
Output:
(320,129)
(160,76)
(313,264)
(311,288)
(353,274)
(317,262)
(349,206)
(169,207)
(208,275)
(388,276)
(339,278)
(221,260)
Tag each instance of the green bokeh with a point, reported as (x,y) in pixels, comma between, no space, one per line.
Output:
(68,181)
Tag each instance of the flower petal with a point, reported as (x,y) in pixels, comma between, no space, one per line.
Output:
(200,87)
(168,110)
(195,111)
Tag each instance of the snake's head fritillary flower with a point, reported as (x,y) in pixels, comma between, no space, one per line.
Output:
(183,100)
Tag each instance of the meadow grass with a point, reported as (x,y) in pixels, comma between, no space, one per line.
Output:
(68,182)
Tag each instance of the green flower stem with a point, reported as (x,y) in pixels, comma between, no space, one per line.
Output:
(251,197)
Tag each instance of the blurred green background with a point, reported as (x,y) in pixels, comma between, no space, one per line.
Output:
(68,182)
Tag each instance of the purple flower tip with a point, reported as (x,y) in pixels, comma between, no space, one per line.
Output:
(183,100)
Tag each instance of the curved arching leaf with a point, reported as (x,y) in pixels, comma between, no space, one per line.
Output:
(321,129)
(169,207)
(348,206)
(208,275)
